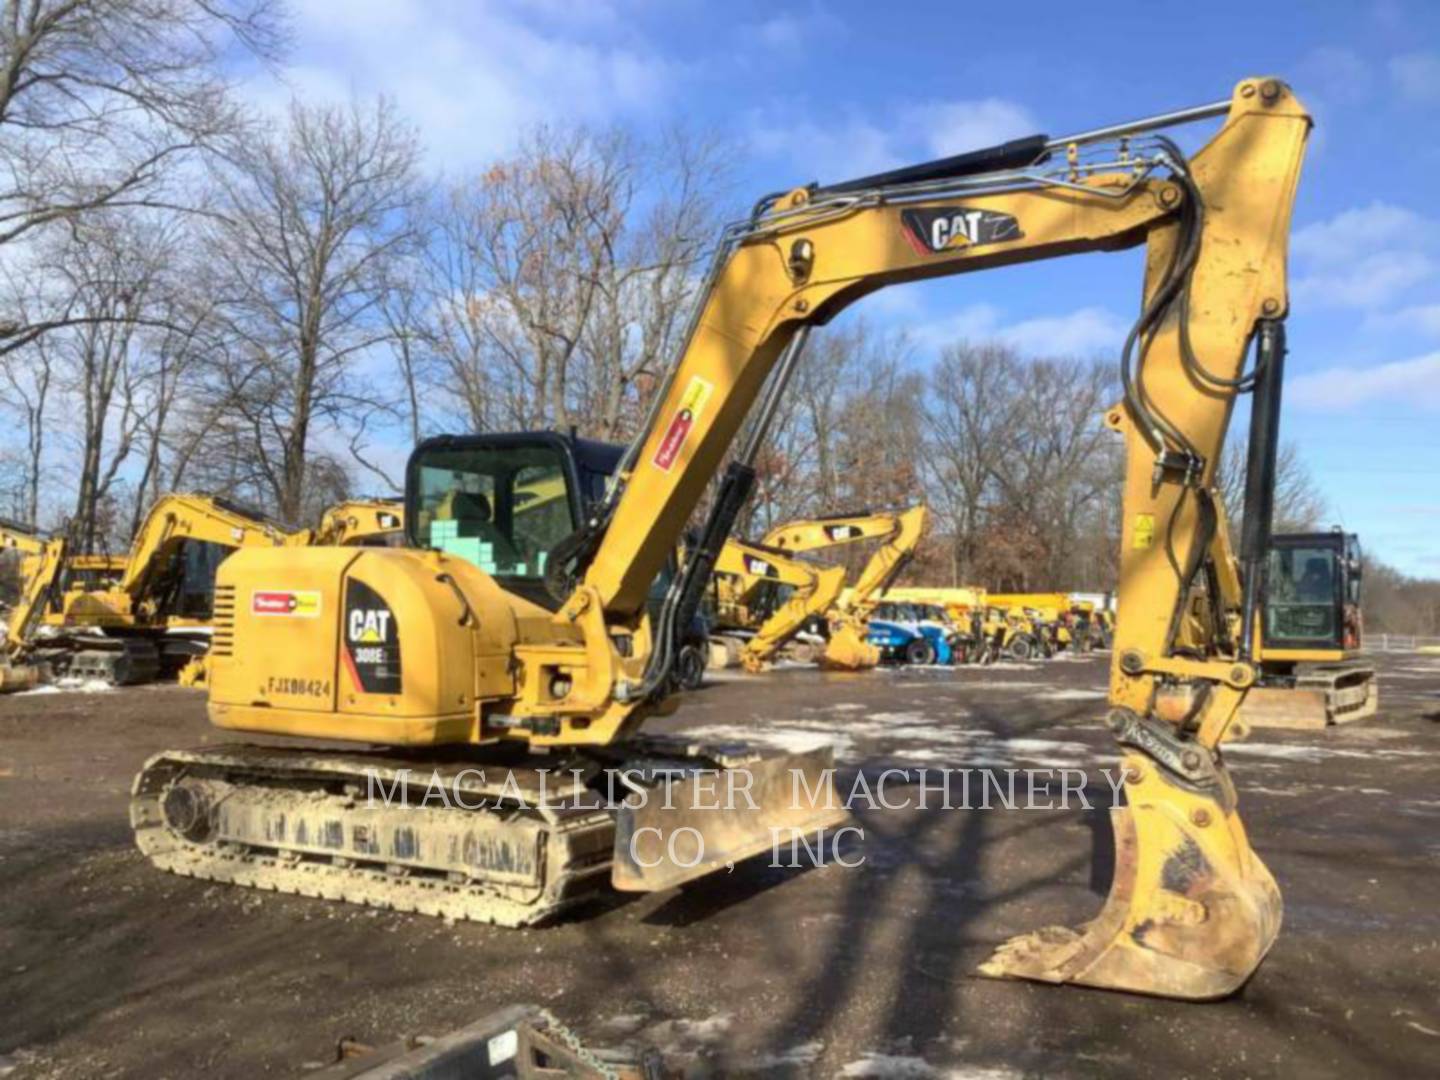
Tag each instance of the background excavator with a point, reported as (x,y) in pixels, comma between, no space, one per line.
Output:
(1308,633)
(133,618)
(898,534)
(770,597)
(155,617)
(538,651)
(368,522)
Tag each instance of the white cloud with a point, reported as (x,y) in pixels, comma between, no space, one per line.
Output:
(1352,233)
(1417,76)
(472,75)
(1339,75)
(1079,333)
(1364,257)
(1370,282)
(956,126)
(1418,319)
(859,143)
(1414,384)
(827,153)
(1082,332)
(780,32)
(793,29)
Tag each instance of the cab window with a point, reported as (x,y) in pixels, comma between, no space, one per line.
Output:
(502,508)
(1301,595)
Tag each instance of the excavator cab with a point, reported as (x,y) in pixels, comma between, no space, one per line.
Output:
(503,502)
(1309,635)
(1312,600)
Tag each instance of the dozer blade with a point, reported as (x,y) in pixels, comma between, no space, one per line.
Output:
(1318,698)
(1192,910)
(702,819)
(847,650)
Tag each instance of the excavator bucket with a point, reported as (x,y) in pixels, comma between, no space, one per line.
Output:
(1192,910)
(847,649)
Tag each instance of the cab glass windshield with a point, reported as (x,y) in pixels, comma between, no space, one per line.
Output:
(1301,595)
(500,507)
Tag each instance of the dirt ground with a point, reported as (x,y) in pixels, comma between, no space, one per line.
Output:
(110,968)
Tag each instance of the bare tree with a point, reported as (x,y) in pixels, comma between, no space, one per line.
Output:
(29,379)
(970,416)
(1299,503)
(101,101)
(560,277)
(116,266)
(313,219)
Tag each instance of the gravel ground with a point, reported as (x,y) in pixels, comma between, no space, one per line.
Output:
(109,968)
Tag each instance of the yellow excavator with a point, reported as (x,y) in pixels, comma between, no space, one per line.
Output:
(898,533)
(78,574)
(42,561)
(538,652)
(128,619)
(367,522)
(746,589)
(155,616)
(1309,635)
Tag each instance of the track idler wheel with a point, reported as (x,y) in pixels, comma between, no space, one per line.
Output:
(1192,910)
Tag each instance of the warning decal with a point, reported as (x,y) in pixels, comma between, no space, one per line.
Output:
(1144,531)
(302,604)
(697,393)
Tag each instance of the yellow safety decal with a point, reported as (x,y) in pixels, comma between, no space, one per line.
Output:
(697,393)
(1144,531)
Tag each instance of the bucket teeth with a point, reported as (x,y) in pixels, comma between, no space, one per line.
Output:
(1191,913)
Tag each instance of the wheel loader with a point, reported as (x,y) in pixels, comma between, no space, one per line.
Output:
(506,645)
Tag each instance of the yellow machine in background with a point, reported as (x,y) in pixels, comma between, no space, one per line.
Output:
(500,630)
(368,522)
(130,619)
(156,616)
(898,533)
(1310,637)
(746,585)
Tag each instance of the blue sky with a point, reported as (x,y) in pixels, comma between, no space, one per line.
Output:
(831,90)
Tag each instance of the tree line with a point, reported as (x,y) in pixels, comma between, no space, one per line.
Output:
(197,297)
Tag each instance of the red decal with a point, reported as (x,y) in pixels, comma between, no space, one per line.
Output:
(272,603)
(674,439)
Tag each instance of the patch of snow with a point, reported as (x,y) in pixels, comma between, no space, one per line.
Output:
(1071,695)
(791,738)
(999,684)
(1056,746)
(873,1066)
(71,686)
(795,1057)
(1312,754)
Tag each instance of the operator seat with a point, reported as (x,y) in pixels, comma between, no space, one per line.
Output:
(1315,583)
(474,517)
